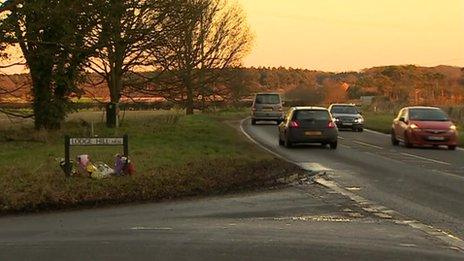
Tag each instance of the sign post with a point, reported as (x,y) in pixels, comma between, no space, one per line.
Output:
(69,142)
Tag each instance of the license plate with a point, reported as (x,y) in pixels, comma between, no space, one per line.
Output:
(348,124)
(268,110)
(436,138)
(313,133)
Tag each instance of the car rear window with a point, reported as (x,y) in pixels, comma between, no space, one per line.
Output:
(312,115)
(344,110)
(267,99)
(427,115)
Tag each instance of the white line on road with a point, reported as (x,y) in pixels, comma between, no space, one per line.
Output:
(150,228)
(376,132)
(388,135)
(367,144)
(345,146)
(427,159)
(384,212)
(261,146)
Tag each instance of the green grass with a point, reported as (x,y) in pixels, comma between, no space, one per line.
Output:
(382,122)
(174,155)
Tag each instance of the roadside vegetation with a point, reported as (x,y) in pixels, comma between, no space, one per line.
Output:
(175,156)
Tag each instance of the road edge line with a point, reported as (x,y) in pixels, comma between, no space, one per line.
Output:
(376,132)
(242,129)
(384,134)
(370,206)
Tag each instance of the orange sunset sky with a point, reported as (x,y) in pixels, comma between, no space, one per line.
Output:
(339,35)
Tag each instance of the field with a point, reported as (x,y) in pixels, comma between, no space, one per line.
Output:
(175,156)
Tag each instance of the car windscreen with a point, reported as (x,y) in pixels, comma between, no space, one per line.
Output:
(311,115)
(267,99)
(344,110)
(427,115)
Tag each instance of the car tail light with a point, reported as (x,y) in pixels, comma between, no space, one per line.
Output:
(331,125)
(294,124)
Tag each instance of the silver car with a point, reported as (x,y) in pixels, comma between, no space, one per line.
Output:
(267,107)
(347,116)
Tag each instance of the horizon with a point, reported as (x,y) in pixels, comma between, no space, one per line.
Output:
(297,68)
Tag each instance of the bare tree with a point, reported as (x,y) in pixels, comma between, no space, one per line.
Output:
(212,36)
(130,29)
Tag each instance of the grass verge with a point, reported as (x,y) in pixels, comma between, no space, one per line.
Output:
(382,122)
(175,156)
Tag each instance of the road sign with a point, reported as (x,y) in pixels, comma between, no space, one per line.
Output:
(69,142)
(96,141)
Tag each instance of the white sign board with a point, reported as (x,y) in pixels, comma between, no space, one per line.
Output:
(96,141)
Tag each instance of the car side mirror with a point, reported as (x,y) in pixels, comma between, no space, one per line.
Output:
(402,119)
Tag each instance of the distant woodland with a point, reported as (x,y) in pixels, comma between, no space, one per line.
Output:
(389,85)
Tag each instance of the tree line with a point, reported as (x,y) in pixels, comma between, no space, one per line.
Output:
(186,44)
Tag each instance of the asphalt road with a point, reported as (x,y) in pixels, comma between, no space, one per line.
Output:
(421,183)
(301,221)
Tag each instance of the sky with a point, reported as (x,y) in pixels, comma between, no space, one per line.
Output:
(343,35)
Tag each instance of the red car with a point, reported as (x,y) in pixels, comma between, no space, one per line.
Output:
(424,126)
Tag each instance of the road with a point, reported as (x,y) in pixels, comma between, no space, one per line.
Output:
(422,184)
(299,221)
(293,222)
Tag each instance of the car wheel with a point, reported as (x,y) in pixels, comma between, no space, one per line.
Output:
(253,122)
(452,147)
(361,129)
(394,141)
(334,145)
(407,144)
(281,142)
(287,143)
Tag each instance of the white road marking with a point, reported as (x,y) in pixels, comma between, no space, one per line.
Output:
(261,146)
(452,240)
(345,146)
(367,144)
(376,132)
(388,135)
(427,159)
(150,228)
(383,212)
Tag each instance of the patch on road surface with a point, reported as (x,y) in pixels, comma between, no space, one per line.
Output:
(150,228)
(321,218)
